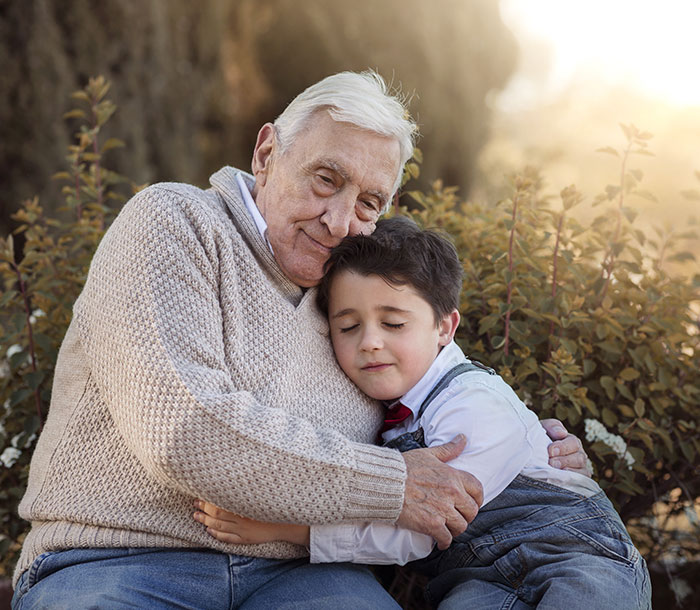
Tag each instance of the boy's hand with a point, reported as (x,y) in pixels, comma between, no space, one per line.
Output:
(439,500)
(566,452)
(234,529)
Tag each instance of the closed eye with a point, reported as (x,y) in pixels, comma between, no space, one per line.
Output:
(401,325)
(347,329)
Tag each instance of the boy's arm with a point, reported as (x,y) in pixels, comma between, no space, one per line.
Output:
(234,529)
(375,543)
(370,543)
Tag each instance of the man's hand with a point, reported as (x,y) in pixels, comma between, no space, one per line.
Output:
(566,452)
(439,500)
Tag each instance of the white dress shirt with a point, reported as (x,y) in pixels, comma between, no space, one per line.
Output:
(504,439)
(252,207)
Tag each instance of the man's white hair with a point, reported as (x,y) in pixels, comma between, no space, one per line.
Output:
(361,99)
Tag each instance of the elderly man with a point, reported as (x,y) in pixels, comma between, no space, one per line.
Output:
(196,366)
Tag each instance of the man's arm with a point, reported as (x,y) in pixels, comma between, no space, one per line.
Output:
(150,321)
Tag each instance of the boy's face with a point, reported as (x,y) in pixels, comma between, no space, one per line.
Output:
(385,337)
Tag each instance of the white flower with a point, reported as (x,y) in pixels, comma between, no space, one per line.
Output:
(37,313)
(16,349)
(15,440)
(10,456)
(681,589)
(13,349)
(595,431)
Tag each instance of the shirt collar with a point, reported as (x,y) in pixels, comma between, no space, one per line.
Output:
(449,356)
(252,207)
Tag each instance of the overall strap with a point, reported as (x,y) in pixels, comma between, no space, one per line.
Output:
(462,367)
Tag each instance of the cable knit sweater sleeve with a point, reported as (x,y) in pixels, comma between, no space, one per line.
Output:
(150,320)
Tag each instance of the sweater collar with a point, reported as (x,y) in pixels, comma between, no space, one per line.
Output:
(225,183)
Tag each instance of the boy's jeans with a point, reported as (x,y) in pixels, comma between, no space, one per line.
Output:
(196,579)
(539,545)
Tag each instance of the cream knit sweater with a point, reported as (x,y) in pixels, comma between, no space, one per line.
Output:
(194,369)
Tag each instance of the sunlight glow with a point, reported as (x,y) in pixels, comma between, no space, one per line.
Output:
(650,45)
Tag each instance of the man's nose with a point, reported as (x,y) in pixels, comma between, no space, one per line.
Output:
(339,215)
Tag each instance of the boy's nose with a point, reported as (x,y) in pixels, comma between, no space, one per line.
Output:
(370,341)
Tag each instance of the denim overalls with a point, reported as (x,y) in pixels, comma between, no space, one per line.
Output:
(534,545)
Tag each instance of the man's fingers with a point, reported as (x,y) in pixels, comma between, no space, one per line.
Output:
(568,454)
(570,445)
(456,524)
(474,495)
(439,500)
(449,451)
(443,538)
(554,429)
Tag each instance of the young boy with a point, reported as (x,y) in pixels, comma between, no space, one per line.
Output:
(543,537)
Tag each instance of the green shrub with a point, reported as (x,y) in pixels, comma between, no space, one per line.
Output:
(40,282)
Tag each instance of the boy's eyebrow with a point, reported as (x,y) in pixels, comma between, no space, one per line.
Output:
(387,308)
(341,313)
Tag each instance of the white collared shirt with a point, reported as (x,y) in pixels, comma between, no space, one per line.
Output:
(252,208)
(504,439)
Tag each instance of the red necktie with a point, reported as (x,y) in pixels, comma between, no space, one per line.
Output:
(394,416)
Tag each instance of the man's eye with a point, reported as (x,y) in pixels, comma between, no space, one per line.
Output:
(400,325)
(325,180)
(370,205)
(367,211)
(347,329)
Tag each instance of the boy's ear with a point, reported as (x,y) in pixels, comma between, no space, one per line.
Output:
(447,327)
(262,154)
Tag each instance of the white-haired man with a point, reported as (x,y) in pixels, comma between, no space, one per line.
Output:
(196,366)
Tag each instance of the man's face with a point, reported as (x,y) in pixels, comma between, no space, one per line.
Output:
(385,337)
(332,181)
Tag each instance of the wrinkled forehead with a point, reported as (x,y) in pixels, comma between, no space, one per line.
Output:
(349,149)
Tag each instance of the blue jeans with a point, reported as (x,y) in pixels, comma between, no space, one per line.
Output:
(195,579)
(538,545)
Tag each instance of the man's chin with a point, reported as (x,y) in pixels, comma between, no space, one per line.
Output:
(307,279)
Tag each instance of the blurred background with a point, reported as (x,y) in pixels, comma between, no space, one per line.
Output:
(494,85)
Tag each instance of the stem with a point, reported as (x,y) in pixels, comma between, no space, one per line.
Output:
(32,351)
(510,280)
(96,150)
(609,260)
(76,173)
(662,254)
(554,280)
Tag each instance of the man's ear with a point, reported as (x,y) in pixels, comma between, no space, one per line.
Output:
(447,327)
(262,154)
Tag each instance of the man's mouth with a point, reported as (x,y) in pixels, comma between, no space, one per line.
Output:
(326,250)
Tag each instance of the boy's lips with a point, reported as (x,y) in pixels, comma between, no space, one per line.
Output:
(374,367)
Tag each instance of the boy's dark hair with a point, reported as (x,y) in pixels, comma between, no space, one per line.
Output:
(401,253)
